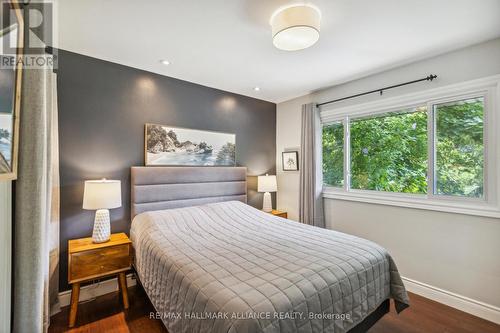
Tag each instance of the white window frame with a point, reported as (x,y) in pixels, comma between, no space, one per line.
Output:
(488,205)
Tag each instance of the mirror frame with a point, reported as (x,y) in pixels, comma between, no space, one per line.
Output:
(12,175)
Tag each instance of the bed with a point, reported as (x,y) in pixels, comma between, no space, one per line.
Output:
(211,263)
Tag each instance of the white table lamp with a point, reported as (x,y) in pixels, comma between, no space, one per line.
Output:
(102,195)
(267,184)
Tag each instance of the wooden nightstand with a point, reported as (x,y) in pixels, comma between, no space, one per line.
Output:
(90,261)
(279,213)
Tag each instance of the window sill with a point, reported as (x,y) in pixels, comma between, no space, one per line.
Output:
(414,201)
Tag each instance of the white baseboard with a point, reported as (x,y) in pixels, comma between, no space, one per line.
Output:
(95,290)
(476,308)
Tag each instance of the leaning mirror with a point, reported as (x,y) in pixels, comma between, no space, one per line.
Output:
(11,43)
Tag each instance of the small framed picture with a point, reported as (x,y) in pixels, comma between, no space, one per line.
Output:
(290,160)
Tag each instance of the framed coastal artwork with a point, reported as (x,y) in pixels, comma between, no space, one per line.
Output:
(176,146)
(11,33)
(290,160)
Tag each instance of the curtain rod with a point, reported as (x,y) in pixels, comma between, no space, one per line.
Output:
(380,90)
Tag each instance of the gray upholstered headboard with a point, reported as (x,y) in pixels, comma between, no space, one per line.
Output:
(156,188)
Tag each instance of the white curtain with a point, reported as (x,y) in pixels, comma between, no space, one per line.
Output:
(36,223)
(311,180)
(52,305)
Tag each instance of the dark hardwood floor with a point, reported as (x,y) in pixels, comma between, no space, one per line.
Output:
(105,314)
(427,316)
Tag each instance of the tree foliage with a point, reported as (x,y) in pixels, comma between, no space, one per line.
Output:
(333,154)
(389,152)
(156,135)
(227,154)
(460,149)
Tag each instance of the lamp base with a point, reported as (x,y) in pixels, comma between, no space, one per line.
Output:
(267,205)
(102,230)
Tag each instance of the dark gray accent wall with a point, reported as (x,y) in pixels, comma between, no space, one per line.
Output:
(103,107)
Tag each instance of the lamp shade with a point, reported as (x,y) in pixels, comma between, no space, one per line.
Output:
(295,27)
(267,184)
(102,194)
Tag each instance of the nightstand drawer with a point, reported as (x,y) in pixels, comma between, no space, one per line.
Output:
(98,262)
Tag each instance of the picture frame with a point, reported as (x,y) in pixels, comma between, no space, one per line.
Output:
(9,119)
(166,145)
(290,160)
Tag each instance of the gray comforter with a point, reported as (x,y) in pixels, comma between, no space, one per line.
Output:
(228,267)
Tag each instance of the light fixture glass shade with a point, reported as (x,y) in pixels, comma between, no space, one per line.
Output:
(266,184)
(102,194)
(296,27)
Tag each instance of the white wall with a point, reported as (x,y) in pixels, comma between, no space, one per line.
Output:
(288,118)
(457,253)
(5,254)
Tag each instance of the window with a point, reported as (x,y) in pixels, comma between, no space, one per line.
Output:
(459,148)
(389,152)
(333,154)
(426,150)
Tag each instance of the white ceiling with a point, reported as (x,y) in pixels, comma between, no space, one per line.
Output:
(226,44)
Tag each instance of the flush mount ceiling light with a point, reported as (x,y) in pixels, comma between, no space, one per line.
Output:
(256,88)
(295,27)
(165,62)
